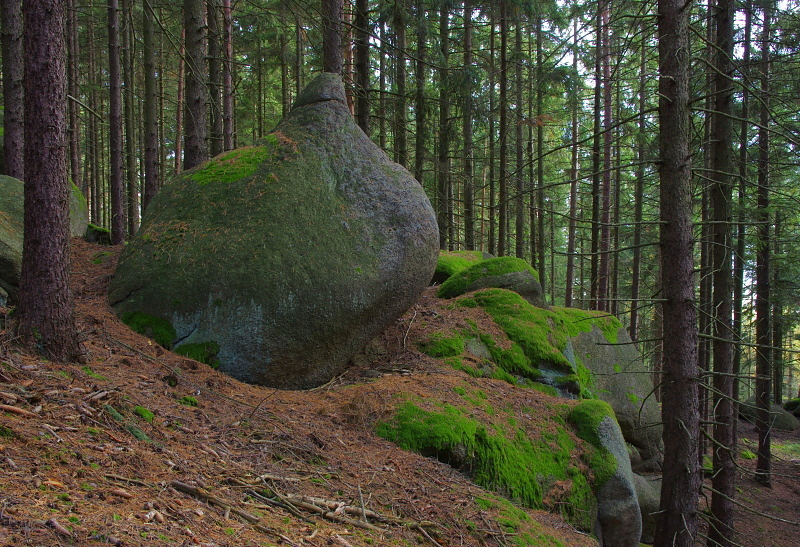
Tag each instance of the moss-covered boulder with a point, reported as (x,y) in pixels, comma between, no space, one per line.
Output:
(779,417)
(621,379)
(289,255)
(11,229)
(619,520)
(793,406)
(505,272)
(452,262)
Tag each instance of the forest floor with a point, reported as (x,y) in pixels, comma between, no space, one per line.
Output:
(142,446)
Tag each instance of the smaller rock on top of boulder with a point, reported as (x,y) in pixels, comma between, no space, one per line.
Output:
(505,272)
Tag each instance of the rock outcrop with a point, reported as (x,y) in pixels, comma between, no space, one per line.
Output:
(290,255)
(505,272)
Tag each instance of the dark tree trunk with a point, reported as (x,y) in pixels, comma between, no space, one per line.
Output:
(419,106)
(132,193)
(227,77)
(777,319)
(362,32)
(537,234)
(382,84)
(400,141)
(573,184)
(215,144)
(332,36)
(604,269)
(492,138)
(596,163)
(519,150)
(724,476)
(73,88)
(13,96)
(469,191)
(503,129)
(639,192)
(444,203)
(763,288)
(677,523)
(45,308)
(115,126)
(196,128)
(150,107)
(180,103)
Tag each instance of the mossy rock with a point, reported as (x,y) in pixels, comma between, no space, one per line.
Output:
(291,254)
(505,272)
(506,460)
(12,214)
(779,417)
(793,406)
(98,234)
(452,262)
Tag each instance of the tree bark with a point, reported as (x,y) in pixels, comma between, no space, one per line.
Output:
(332,36)
(444,203)
(519,150)
(196,127)
(604,269)
(503,129)
(678,519)
(724,403)
(420,73)
(362,32)
(227,77)
(45,308)
(215,144)
(469,190)
(73,88)
(13,94)
(150,107)
(115,126)
(132,189)
(400,141)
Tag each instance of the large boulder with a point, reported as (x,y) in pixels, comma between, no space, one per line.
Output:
(779,417)
(622,380)
(619,520)
(648,492)
(290,255)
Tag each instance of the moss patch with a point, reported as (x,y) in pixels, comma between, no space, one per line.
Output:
(153,327)
(452,262)
(586,418)
(205,352)
(522,530)
(503,459)
(231,166)
(458,283)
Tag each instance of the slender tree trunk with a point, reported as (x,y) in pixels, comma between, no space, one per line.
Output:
(73,88)
(362,32)
(503,181)
(181,102)
(596,157)
(13,94)
(332,36)
(777,319)
(400,141)
(724,476)
(45,307)
(538,233)
(150,107)
(214,78)
(641,141)
(227,77)
(763,289)
(132,190)
(573,184)
(115,126)
(519,198)
(492,137)
(469,191)
(443,187)
(604,269)
(420,107)
(678,519)
(196,132)
(382,84)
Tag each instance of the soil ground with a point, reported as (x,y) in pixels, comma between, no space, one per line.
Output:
(139,446)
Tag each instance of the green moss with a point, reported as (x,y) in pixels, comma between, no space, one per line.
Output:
(232,166)
(506,461)
(540,336)
(440,345)
(521,529)
(792,404)
(457,284)
(153,327)
(144,413)
(586,417)
(92,374)
(188,400)
(100,258)
(205,352)
(452,262)
(7,432)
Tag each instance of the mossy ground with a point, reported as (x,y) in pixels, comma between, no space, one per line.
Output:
(153,327)
(458,283)
(538,472)
(522,530)
(205,352)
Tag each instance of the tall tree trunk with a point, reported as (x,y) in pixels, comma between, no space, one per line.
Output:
(215,144)
(519,198)
(492,246)
(503,129)
(444,203)
(132,192)
(115,126)
(641,141)
(227,77)
(777,318)
(538,233)
(763,289)
(596,163)
(332,36)
(13,94)
(196,132)
(469,191)
(150,107)
(400,141)
(724,476)
(180,104)
(573,183)
(419,106)
(384,49)
(362,32)
(73,88)
(45,307)
(677,522)
(604,269)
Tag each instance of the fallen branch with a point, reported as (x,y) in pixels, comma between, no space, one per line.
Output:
(18,411)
